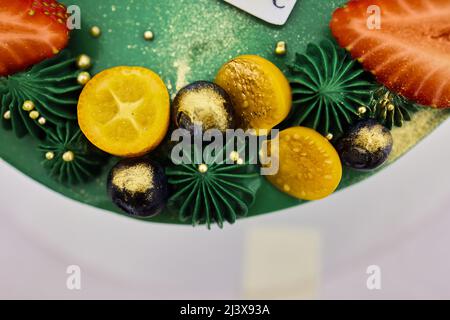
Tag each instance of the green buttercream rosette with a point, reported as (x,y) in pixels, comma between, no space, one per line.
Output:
(69,157)
(328,89)
(391,109)
(53,89)
(215,191)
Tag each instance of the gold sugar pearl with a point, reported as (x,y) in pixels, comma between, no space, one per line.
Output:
(148,35)
(34,115)
(50,155)
(84,62)
(329,136)
(42,121)
(28,105)
(7,115)
(391,107)
(83,78)
(240,161)
(68,156)
(234,156)
(362,110)
(96,31)
(203,168)
(281,48)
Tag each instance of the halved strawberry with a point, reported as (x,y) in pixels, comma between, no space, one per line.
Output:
(409,53)
(30,31)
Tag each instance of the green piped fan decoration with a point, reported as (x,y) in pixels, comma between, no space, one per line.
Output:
(68,155)
(328,89)
(391,109)
(215,191)
(50,89)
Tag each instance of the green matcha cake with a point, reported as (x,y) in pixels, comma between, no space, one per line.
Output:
(319,77)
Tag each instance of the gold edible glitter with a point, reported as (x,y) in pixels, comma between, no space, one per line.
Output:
(373,139)
(205,107)
(134,179)
(412,132)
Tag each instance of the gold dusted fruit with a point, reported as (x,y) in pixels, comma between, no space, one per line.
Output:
(203,105)
(138,186)
(260,92)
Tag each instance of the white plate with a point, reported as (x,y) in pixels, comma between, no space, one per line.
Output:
(397,219)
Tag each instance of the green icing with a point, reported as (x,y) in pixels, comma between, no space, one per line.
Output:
(328,87)
(87,160)
(224,192)
(51,85)
(391,109)
(193,38)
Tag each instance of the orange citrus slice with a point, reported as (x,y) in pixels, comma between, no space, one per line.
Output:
(309,166)
(125,111)
(260,92)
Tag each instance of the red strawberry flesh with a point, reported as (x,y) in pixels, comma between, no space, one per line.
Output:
(409,53)
(30,32)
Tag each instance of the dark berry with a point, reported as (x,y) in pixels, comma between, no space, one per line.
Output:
(138,186)
(366,146)
(203,106)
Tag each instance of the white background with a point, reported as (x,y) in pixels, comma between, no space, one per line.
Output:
(398,220)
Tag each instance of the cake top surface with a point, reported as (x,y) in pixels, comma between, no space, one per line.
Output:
(191,39)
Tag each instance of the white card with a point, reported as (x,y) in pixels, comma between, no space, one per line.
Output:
(281,263)
(273,11)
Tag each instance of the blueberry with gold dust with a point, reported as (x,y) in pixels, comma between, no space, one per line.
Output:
(138,186)
(203,105)
(366,146)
